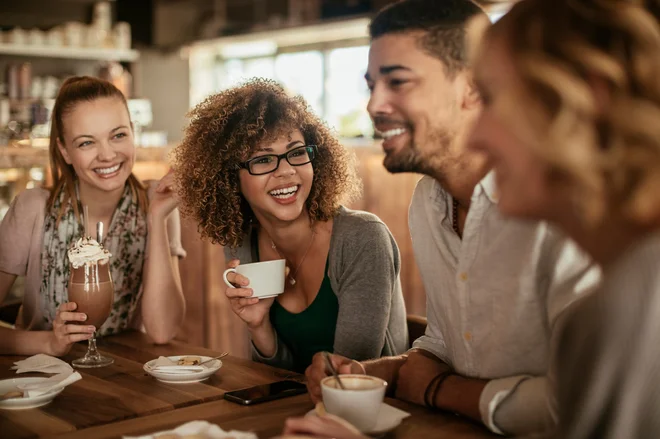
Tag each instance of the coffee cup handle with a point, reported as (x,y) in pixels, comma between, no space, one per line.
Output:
(224,276)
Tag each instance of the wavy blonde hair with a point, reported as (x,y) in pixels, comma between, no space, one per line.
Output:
(224,131)
(590,83)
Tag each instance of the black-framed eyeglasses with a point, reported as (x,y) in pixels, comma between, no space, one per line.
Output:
(267,163)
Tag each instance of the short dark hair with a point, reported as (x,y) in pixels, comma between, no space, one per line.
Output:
(443,22)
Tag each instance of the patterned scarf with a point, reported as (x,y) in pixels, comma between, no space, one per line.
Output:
(126,239)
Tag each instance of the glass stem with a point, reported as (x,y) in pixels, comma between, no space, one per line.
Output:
(91,347)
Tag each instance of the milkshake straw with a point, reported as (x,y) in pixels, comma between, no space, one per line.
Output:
(86,216)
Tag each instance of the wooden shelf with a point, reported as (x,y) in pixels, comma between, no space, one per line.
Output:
(84,53)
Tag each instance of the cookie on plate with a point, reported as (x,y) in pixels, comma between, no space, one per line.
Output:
(189,361)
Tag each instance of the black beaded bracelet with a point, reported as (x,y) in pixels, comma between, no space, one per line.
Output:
(434,385)
(438,385)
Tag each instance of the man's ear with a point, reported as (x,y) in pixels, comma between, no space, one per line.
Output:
(64,152)
(471,98)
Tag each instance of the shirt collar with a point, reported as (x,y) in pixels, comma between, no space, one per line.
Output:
(489,186)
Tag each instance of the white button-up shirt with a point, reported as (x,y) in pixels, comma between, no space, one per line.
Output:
(493,297)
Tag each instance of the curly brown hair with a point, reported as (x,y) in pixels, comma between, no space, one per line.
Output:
(224,131)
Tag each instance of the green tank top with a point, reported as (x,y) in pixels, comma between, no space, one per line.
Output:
(311,330)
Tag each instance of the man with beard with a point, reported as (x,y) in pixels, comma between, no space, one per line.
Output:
(495,286)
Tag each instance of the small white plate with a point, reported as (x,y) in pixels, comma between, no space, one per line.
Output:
(184,378)
(25,403)
(389,418)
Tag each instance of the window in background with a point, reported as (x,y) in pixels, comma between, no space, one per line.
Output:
(346,92)
(331,81)
(202,79)
(302,74)
(498,10)
(236,71)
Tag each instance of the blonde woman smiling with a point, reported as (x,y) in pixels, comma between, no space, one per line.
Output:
(92,155)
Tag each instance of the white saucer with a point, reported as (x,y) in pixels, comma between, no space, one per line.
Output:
(184,378)
(389,418)
(25,403)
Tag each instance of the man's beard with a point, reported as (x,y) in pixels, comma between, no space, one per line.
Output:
(406,160)
(411,159)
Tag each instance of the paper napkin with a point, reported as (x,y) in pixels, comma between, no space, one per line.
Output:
(201,428)
(389,412)
(42,363)
(165,365)
(50,384)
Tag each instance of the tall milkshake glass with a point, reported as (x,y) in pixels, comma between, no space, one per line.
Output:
(91,288)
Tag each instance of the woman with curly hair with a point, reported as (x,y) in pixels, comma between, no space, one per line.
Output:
(265,178)
(585,154)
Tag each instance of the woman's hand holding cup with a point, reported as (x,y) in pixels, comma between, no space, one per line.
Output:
(251,310)
(65,333)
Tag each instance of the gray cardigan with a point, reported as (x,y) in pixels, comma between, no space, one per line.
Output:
(363,267)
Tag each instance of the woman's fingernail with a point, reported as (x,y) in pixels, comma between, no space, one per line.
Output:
(91,328)
(84,317)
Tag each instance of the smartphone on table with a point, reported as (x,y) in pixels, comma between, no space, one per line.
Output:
(266,392)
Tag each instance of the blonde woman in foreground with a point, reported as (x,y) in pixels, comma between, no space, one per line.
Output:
(585,155)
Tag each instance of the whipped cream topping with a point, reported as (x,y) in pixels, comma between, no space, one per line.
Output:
(87,251)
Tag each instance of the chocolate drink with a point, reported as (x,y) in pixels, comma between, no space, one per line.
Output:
(91,288)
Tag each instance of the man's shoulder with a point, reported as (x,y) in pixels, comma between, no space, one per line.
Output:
(427,191)
(425,186)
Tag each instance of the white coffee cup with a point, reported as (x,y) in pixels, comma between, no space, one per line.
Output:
(266,278)
(359,404)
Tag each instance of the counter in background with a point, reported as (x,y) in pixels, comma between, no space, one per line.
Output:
(29,157)
(25,167)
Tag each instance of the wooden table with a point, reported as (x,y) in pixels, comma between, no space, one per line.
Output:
(122,399)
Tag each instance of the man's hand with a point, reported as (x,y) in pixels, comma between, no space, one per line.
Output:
(416,374)
(317,371)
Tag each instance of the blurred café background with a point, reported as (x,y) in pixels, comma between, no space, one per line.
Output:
(168,55)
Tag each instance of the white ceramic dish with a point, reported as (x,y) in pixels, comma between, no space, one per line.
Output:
(24,403)
(184,378)
(389,418)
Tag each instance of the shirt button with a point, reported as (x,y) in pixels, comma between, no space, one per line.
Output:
(468,336)
(463,276)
